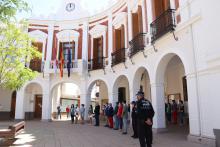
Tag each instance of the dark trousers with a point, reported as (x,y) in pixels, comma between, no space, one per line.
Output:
(134,126)
(120,120)
(72,118)
(168,117)
(96,120)
(145,134)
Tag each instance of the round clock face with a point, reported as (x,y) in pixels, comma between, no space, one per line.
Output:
(70,7)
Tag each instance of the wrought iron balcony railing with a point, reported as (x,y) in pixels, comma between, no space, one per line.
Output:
(96,63)
(57,64)
(163,24)
(138,43)
(36,65)
(118,56)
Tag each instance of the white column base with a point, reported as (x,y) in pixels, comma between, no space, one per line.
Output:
(158,102)
(202,140)
(19,112)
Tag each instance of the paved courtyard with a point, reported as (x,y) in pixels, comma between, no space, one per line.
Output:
(64,134)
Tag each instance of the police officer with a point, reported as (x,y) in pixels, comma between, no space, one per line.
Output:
(145,113)
(134,119)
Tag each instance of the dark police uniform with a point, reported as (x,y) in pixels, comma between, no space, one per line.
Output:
(144,111)
(134,120)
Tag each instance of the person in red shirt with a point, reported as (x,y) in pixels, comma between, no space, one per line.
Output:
(119,114)
(67,111)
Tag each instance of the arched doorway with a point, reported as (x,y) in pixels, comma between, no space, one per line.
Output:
(121,89)
(98,93)
(171,77)
(64,95)
(33,101)
(141,82)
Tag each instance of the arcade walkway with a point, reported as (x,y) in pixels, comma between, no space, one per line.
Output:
(64,134)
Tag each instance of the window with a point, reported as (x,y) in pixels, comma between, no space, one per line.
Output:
(65,47)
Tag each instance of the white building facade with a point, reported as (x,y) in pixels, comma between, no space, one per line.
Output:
(169,49)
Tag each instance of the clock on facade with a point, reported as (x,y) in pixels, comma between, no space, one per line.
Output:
(70,7)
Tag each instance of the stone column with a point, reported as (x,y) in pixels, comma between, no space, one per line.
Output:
(110,39)
(149,15)
(47,101)
(112,98)
(85,42)
(49,46)
(158,102)
(19,110)
(84,99)
(130,32)
(193,106)
(144,15)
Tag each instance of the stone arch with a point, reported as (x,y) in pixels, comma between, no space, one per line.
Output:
(121,81)
(60,91)
(158,85)
(162,62)
(54,84)
(141,78)
(33,101)
(103,91)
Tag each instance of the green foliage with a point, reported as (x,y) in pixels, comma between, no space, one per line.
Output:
(15,46)
(15,50)
(9,8)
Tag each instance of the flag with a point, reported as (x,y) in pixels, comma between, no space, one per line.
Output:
(61,62)
(69,62)
(55,63)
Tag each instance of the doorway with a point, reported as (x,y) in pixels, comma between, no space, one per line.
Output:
(121,94)
(38,107)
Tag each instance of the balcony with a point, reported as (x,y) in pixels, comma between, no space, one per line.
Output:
(57,64)
(36,65)
(96,63)
(163,24)
(138,44)
(118,56)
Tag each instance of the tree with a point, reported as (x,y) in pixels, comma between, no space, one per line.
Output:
(15,47)
(9,8)
(15,50)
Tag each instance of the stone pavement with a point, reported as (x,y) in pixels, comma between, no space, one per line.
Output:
(64,134)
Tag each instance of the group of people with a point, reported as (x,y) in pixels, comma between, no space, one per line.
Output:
(117,117)
(142,118)
(75,113)
(175,112)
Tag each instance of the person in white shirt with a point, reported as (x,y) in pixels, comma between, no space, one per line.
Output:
(82,113)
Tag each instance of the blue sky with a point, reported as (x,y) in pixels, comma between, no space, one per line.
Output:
(46,7)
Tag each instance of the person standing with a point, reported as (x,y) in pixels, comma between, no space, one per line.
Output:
(168,112)
(145,113)
(97,113)
(72,113)
(125,117)
(67,112)
(76,114)
(110,115)
(174,111)
(82,113)
(58,112)
(119,115)
(116,117)
(181,112)
(106,111)
(90,114)
(134,119)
